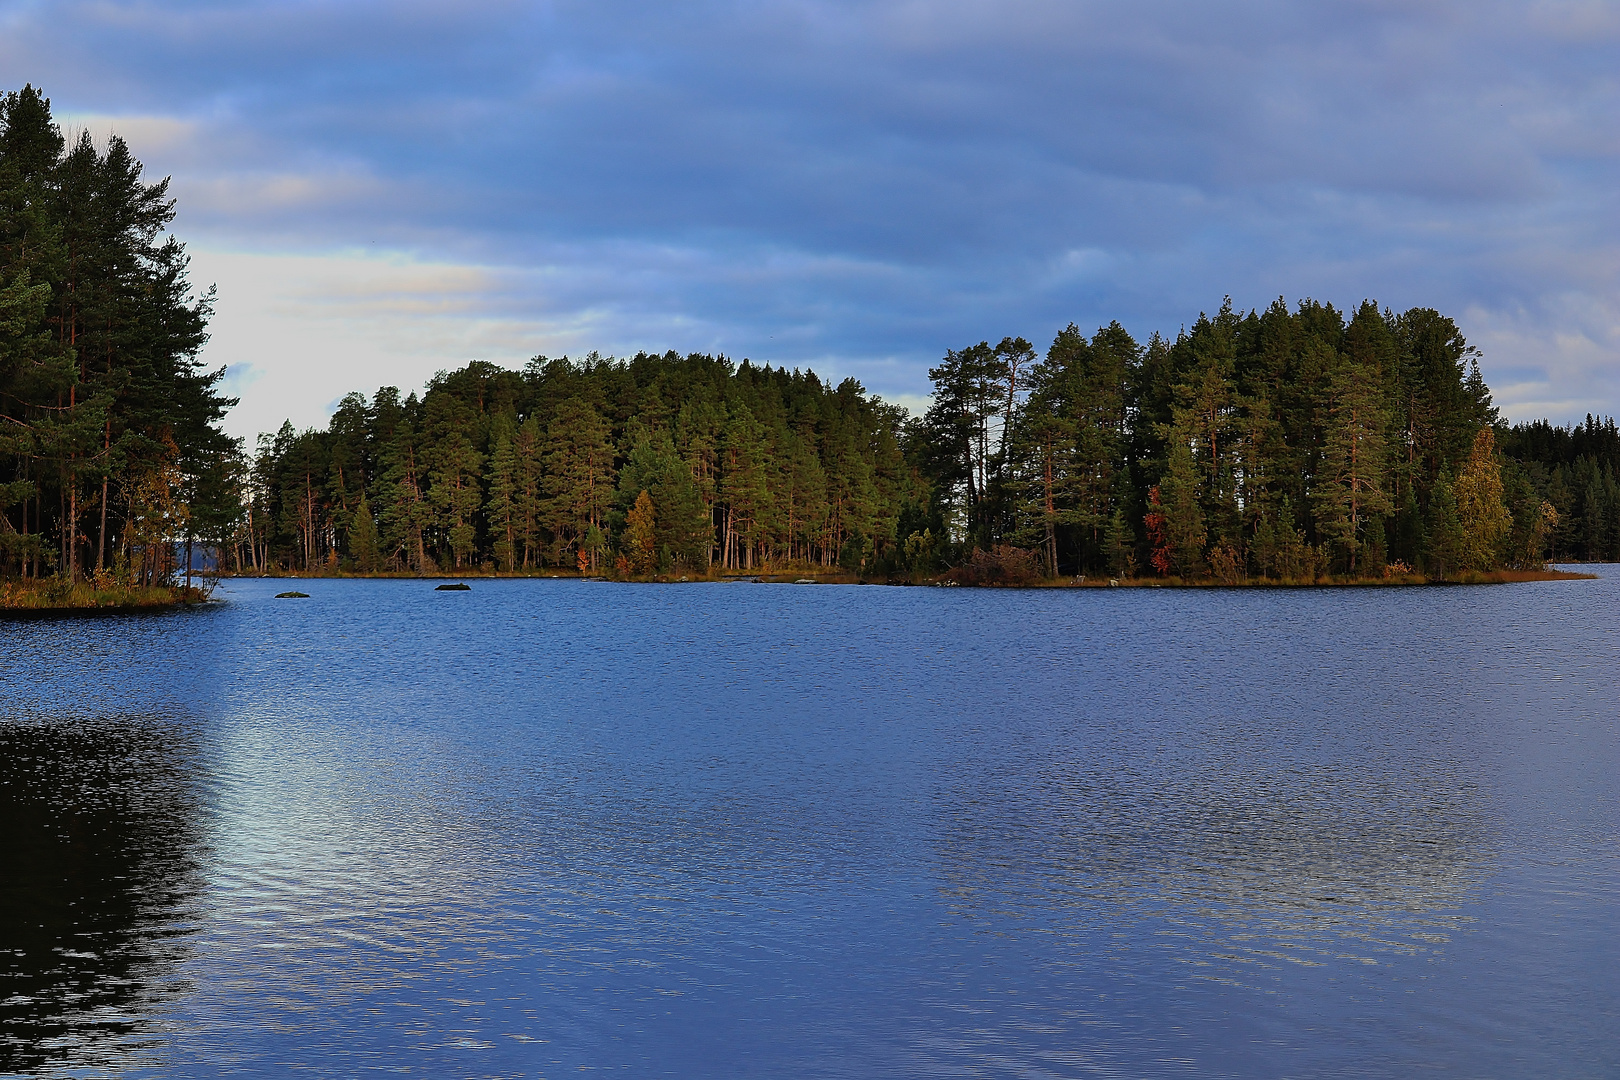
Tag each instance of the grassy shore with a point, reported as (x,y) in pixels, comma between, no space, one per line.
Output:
(52,596)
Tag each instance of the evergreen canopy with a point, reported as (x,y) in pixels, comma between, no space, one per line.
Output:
(1280,444)
(109,429)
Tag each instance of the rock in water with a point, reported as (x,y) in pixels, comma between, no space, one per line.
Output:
(460,586)
(292,596)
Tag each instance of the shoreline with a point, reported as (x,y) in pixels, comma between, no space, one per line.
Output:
(84,599)
(788,577)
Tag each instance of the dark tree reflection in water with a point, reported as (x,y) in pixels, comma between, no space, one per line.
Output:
(100,849)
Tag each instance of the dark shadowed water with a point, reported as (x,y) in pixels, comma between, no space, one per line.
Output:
(752,830)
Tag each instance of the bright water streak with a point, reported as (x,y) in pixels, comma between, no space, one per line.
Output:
(770,831)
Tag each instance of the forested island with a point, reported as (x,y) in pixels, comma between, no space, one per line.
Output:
(1297,444)
(1285,445)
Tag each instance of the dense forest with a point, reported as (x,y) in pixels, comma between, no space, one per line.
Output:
(1284,444)
(110,446)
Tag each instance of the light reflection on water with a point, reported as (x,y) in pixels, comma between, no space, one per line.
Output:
(775,831)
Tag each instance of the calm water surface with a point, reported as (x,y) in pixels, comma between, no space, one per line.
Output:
(751,830)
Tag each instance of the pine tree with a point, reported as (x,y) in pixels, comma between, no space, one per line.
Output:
(743,487)
(578,482)
(501,509)
(1351,488)
(528,498)
(455,494)
(681,528)
(402,490)
(1185,533)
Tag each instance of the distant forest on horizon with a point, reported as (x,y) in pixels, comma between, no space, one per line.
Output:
(1284,443)
(1281,444)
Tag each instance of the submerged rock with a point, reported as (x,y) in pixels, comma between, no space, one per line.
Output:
(460,586)
(292,596)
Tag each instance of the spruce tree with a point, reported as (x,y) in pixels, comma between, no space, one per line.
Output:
(501,509)
(1185,533)
(363,540)
(1446,547)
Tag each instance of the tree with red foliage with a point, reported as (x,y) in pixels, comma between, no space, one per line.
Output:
(1158,534)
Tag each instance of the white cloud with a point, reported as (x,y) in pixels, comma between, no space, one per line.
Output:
(298,331)
(1559,361)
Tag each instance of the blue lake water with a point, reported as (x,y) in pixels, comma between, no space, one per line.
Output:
(754,830)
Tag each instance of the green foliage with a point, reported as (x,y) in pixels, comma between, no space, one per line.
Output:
(681,527)
(1447,548)
(1351,490)
(1282,444)
(1293,442)
(745,468)
(110,448)
(363,540)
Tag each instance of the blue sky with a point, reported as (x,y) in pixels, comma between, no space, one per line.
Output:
(384,190)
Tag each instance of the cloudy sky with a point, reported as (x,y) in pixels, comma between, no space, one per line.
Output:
(383,190)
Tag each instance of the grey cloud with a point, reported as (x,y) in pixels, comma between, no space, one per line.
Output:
(879,181)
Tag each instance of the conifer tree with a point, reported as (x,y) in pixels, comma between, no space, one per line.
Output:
(501,510)
(743,487)
(681,527)
(1185,533)
(1351,489)
(363,540)
(527,490)
(1446,549)
(578,482)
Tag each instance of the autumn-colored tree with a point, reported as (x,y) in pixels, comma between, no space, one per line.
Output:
(641,537)
(1481,513)
(1158,534)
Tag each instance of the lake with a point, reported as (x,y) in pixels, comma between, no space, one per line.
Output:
(759,830)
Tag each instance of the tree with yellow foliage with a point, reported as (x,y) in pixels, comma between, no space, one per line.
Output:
(640,537)
(1481,511)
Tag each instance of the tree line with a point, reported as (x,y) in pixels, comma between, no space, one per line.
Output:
(735,467)
(1283,444)
(110,445)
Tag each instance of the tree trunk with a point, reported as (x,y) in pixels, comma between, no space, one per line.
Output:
(101,536)
(1051,515)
